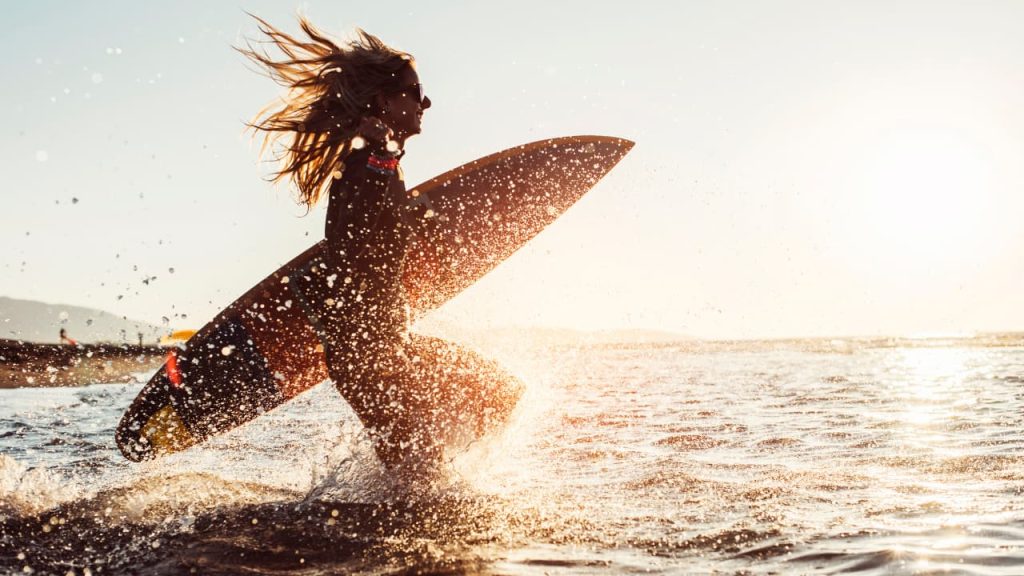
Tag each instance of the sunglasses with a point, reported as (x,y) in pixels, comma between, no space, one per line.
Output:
(415,89)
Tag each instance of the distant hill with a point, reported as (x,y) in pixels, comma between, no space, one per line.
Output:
(41,322)
(544,336)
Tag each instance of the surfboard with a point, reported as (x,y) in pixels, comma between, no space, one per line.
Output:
(265,348)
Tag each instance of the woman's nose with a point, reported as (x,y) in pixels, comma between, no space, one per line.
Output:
(426,102)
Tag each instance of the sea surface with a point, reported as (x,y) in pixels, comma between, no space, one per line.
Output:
(854,456)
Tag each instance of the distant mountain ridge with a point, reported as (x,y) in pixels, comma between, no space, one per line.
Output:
(545,335)
(35,321)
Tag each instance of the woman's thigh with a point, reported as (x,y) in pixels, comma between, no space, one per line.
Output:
(459,387)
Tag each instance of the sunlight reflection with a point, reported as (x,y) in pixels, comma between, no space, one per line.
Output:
(931,386)
(931,391)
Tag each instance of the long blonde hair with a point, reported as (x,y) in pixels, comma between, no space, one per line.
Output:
(330,88)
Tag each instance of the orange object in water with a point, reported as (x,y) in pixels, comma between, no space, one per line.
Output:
(172,368)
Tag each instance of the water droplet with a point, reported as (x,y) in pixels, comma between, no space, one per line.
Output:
(227,351)
(97,78)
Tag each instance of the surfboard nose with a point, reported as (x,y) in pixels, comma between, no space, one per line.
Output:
(130,433)
(129,439)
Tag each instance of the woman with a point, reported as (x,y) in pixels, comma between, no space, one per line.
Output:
(349,111)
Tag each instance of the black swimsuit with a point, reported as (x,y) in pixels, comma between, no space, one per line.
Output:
(368,350)
(367,231)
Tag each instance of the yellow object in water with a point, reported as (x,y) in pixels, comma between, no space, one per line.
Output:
(166,432)
(176,337)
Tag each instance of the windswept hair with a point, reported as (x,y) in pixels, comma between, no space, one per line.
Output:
(330,88)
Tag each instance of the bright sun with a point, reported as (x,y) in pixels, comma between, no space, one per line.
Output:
(921,204)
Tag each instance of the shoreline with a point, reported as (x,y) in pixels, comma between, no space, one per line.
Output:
(37,365)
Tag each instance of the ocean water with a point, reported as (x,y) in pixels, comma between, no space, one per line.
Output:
(882,456)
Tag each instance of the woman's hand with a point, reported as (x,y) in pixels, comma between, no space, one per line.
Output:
(375,132)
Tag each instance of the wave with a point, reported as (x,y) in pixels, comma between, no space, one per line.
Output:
(181,523)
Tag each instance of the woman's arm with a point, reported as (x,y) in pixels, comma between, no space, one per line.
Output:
(358,198)
(357,201)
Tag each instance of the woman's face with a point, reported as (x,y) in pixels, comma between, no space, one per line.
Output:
(403,108)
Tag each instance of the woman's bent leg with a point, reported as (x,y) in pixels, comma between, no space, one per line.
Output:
(422,395)
(465,395)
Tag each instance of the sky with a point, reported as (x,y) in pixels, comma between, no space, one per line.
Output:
(802,168)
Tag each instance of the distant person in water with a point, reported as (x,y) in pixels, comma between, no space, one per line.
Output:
(350,110)
(65,340)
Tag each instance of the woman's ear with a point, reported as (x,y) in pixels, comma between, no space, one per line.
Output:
(380,104)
